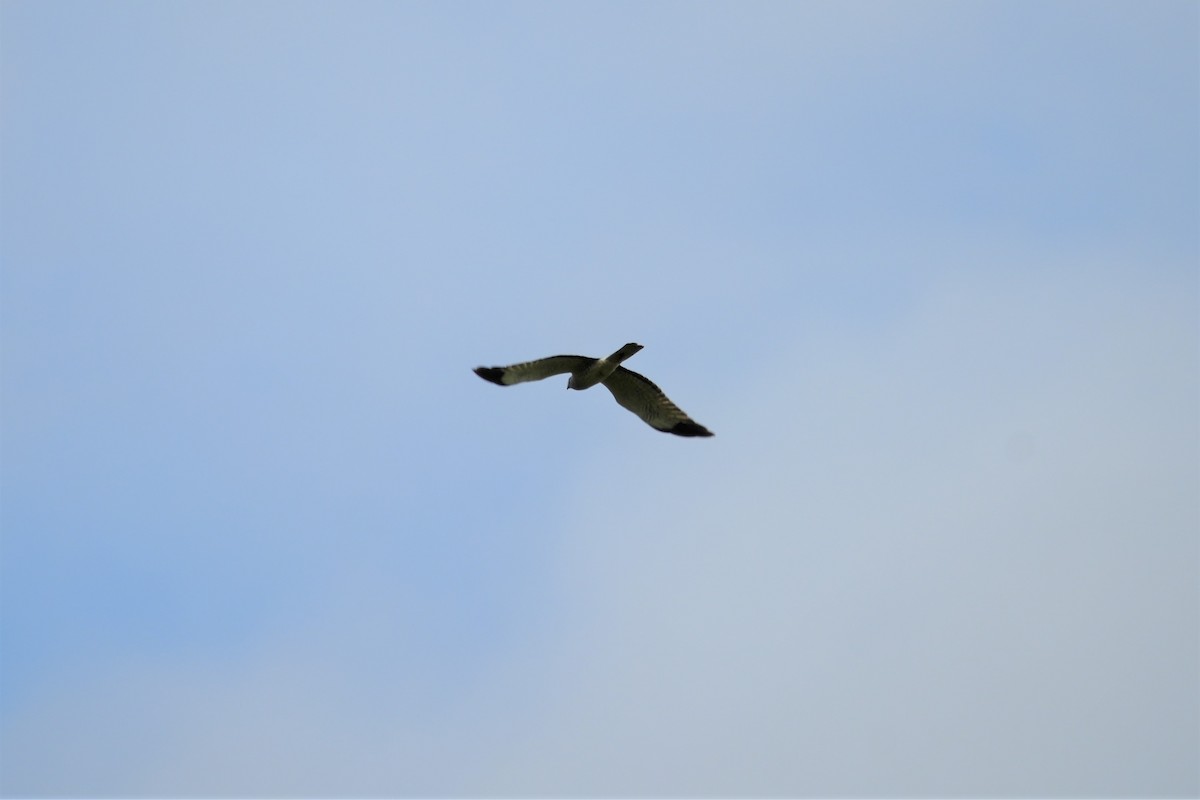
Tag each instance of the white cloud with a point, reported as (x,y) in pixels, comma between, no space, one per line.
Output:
(957,559)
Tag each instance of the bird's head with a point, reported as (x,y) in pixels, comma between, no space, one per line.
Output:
(571,383)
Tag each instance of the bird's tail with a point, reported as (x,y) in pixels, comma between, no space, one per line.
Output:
(624,353)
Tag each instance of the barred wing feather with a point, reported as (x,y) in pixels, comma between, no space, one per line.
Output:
(533,370)
(640,395)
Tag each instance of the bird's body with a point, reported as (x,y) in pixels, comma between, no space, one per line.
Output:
(601,369)
(631,390)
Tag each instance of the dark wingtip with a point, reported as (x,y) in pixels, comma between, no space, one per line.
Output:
(493,374)
(689,428)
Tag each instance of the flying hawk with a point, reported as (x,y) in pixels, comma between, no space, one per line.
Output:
(633,391)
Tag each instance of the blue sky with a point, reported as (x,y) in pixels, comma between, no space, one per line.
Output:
(928,270)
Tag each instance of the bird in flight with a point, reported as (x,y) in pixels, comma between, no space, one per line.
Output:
(633,391)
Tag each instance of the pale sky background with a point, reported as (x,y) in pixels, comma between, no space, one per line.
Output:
(928,270)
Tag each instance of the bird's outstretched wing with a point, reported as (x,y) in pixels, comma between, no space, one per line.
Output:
(639,394)
(533,370)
